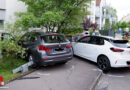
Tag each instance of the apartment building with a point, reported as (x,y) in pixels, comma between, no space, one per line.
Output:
(2,13)
(8,9)
(98,11)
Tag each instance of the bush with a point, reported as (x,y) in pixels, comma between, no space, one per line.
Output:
(10,48)
(71,30)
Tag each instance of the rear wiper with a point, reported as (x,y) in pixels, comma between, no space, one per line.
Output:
(128,47)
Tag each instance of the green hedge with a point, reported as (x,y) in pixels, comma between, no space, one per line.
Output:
(72,30)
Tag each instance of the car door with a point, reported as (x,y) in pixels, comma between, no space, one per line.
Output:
(31,41)
(95,48)
(80,47)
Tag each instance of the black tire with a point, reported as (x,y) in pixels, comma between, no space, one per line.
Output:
(103,63)
(31,58)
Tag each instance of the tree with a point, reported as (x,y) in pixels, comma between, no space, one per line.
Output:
(107,24)
(51,14)
(111,16)
(122,25)
(114,25)
(88,24)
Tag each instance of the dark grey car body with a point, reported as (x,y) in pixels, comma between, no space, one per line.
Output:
(45,52)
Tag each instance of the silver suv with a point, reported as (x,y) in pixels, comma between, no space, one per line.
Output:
(47,48)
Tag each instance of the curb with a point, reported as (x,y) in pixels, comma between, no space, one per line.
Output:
(96,81)
(21,75)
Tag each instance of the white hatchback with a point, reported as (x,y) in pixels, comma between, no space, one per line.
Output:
(107,52)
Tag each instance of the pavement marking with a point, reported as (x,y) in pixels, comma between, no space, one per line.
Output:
(43,74)
(4,87)
(105,88)
(97,70)
(102,85)
(115,76)
(72,68)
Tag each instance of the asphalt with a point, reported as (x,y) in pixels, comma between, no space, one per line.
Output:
(77,74)
(116,79)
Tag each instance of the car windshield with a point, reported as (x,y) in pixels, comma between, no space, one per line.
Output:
(54,39)
(121,43)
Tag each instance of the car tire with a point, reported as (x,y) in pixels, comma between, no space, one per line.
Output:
(31,58)
(103,63)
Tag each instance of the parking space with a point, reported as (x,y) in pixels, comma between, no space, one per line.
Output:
(116,79)
(77,74)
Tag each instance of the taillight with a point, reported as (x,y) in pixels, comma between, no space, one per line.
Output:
(43,48)
(116,50)
(69,46)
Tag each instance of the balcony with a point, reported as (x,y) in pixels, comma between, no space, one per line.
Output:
(98,13)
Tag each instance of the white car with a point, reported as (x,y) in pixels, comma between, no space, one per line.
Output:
(107,52)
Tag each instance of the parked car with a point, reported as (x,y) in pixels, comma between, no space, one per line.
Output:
(46,48)
(85,33)
(107,52)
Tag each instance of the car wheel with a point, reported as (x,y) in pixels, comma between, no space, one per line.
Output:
(103,63)
(31,58)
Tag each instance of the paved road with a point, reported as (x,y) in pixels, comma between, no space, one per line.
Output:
(77,74)
(116,79)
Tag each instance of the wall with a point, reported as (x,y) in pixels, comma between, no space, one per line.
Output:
(2,4)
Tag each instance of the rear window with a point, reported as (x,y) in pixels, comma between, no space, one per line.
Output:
(54,39)
(121,43)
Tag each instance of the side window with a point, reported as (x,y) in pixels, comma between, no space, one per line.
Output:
(29,38)
(33,38)
(97,41)
(25,38)
(84,40)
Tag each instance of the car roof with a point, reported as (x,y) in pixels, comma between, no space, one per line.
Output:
(108,37)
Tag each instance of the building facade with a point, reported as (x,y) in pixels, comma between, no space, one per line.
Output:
(98,11)
(8,9)
(125,18)
(2,12)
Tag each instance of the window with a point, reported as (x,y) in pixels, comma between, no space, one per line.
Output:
(121,43)
(1,23)
(96,40)
(26,38)
(84,40)
(29,37)
(54,39)
(33,38)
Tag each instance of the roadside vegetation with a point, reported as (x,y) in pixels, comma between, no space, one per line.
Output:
(7,64)
(12,53)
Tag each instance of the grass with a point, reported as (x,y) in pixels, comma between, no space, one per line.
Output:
(7,65)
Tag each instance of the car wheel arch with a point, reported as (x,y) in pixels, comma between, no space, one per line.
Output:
(103,55)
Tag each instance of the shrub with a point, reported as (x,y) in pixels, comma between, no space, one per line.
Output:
(10,48)
(72,30)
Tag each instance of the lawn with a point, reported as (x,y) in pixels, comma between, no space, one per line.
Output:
(7,65)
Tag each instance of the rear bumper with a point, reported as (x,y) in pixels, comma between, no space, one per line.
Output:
(56,59)
(121,63)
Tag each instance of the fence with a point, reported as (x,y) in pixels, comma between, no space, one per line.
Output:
(107,33)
